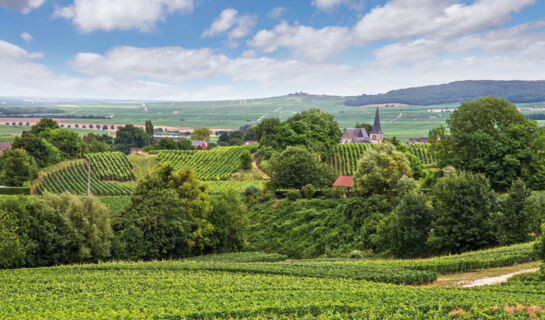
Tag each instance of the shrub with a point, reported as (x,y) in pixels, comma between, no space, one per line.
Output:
(308,191)
(251,191)
(246,160)
(293,195)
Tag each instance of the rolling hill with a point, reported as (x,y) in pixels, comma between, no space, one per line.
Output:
(513,91)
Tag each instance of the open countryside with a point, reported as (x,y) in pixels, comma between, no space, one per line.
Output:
(317,159)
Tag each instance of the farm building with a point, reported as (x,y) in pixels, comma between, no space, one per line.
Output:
(359,135)
(199,143)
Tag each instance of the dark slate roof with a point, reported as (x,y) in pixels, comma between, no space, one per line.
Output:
(356,133)
(377,129)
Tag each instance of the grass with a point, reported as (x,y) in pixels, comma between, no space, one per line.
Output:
(143,164)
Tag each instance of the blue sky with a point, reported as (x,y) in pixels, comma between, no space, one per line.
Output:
(208,50)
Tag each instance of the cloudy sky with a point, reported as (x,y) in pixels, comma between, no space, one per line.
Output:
(227,49)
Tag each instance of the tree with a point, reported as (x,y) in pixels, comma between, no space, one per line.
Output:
(236,138)
(129,136)
(149,128)
(167,217)
(224,138)
(296,167)
(246,160)
(368,127)
(96,146)
(380,170)
(103,138)
(512,221)
(68,142)
(201,134)
(229,219)
(266,129)
(40,149)
(490,136)
(462,204)
(43,125)
(16,168)
(411,224)
(251,134)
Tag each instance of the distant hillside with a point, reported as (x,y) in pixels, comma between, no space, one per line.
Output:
(514,91)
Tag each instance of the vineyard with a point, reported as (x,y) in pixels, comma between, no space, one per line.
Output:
(104,166)
(246,286)
(218,187)
(216,164)
(345,157)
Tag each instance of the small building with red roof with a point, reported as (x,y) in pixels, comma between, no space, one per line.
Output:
(343,182)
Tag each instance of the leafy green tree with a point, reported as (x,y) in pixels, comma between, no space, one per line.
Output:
(224,138)
(380,170)
(149,128)
(96,146)
(167,217)
(41,150)
(129,136)
(411,224)
(16,168)
(236,138)
(103,138)
(462,204)
(229,219)
(68,142)
(490,136)
(251,134)
(534,208)
(296,167)
(201,134)
(43,125)
(246,160)
(512,221)
(266,129)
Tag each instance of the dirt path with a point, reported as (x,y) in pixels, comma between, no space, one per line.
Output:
(254,164)
(493,280)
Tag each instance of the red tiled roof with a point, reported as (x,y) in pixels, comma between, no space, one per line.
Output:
(343,181)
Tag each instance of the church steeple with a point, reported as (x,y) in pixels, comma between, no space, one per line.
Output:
(376,134)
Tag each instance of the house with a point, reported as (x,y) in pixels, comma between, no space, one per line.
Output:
(418,140)
(4,147)
(359,135)
(249,142)
(199,143)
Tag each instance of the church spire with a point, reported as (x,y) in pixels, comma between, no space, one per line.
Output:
(377,129)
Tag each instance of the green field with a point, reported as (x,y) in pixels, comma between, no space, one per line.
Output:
(239,286)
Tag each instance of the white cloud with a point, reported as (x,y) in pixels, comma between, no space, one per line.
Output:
(90,15)
(23,6)
(238,26)
(276,12)
(443,18)
(27,36)
(328,5)
(304,42)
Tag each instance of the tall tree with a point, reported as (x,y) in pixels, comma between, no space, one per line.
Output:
(16,168)
(40,149)
(201,134)
(411,224)
(380,170)
(512,221)
(149,128)
(462,205)
(490,136)
(129,136)
(43,125)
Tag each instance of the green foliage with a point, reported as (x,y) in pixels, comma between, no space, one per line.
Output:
(42,151)
(49,230)
(246,160)
(251,191)
(217,164)
(201,134)
(534,208)
(379,171)
(149,128)
(15,191)
(167,217)
(313,128)
(43,125)
(512,221)
(462,204)
(293,195)
(16,168)
(411,224)
(296,167)
(66,141)
(308,191)
(170,144)
(490,136)
(241,257)
(229,219)
(368,127)
(129,136)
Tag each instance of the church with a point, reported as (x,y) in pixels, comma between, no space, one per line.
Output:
(359,135)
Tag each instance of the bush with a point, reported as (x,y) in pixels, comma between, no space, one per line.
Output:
(308,191)
(293,195)
(15,191)
(246,160)
(229,219)
(251,191)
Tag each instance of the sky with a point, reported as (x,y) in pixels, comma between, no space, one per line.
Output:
(187,50)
